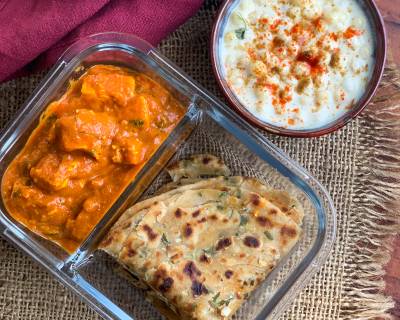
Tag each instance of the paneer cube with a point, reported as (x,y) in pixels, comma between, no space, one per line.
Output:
(104,87)
(86,131)
(127,149)
(53,172)
(137,112)
(48,174)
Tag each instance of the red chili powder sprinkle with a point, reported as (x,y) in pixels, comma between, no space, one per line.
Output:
(318,23)
(333,36)
(252,53)
(275,25)
(296,29)
(351,32)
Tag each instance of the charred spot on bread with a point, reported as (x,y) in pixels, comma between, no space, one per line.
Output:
(274,211)
(198,288)
(178,213)
(191,270)
(255,199)
(166,285)
(223,243)
(187,230)
(289,232)
(150,233)
(131,252)
(196,213)
(202,220)
(251,242)
(206,160)
(264,221)
(107,241)
(204,258)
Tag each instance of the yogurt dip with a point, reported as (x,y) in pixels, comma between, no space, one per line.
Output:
(297,64)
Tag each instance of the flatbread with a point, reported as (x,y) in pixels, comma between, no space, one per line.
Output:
(202,251)
(235,185)
(204,245)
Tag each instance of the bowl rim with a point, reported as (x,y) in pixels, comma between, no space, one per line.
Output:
(373,84)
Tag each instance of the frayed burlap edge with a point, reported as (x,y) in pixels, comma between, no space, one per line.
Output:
(376,204)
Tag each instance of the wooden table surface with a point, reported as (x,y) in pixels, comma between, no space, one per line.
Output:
(390,10)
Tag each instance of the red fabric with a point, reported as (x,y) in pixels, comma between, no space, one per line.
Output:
(41,30)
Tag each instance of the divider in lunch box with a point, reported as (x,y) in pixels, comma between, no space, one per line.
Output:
(135,189)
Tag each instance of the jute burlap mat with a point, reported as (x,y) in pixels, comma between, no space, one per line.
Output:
(359,165)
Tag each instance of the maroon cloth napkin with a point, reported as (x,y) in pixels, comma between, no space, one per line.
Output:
(40,30)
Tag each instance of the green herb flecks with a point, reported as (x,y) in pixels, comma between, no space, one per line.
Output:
(241,32)
(218,303)
(228,300)
(214,301)
(164,240)
(268,235)
(137,123)
(223,194)
(200,194)
(138,221)
(209,251)
(143,253)
(191,255)
(220,207)
(243,220)
(246,210)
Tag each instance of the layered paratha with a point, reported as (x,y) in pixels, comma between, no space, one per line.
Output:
(202,247)
(197,166)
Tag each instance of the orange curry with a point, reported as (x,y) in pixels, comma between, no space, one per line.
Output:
(87,148)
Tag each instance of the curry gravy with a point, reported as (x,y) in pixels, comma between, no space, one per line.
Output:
(89,145)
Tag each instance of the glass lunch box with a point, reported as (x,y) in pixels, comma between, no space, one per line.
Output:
(208,126)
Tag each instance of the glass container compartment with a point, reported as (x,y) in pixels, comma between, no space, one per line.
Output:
(208,126)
